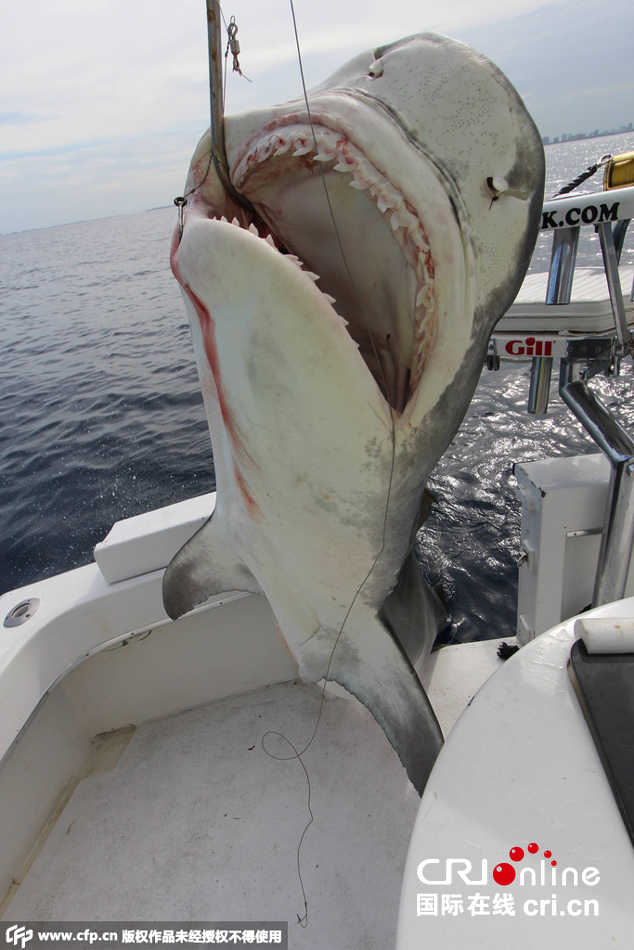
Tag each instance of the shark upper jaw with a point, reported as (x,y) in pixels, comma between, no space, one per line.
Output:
(396,269)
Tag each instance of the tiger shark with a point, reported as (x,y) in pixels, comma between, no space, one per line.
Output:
(340,328)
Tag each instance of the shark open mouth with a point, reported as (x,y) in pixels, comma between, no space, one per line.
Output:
(375,264)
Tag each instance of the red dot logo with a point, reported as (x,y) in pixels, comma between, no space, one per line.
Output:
(516,854)
(554,864)
(533,848)
(503,874)
(547,854)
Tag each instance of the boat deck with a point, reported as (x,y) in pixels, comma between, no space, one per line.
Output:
(197,822)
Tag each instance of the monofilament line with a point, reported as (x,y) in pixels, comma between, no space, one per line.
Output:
(298,755)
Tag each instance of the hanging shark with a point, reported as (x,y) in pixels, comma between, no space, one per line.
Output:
(340,326)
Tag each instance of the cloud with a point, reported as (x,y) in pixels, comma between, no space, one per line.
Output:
(94,179)
(21,118)
(605,91)
(551,53)
(13,155)
(87,87)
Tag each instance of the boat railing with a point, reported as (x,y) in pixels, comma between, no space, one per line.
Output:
(585,356)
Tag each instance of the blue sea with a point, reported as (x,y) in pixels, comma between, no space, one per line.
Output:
(101,416)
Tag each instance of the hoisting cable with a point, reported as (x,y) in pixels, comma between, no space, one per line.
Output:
(218,150)
(217,87)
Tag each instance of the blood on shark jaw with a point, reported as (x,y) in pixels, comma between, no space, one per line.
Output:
(375,263)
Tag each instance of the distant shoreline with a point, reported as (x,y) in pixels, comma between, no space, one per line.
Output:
(582,136)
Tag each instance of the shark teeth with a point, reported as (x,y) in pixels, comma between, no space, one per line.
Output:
(292,258)
(422,272)
(425,297)
(333,146)
(384,202)
(283,146)
(264,150)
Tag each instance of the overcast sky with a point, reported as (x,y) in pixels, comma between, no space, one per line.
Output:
(103,101)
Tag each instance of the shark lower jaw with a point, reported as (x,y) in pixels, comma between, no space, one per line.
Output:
(377,264)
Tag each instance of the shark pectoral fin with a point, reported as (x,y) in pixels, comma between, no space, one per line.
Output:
(369,663)
(205,565)
(414,613)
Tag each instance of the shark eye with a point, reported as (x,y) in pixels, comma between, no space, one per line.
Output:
(376,69)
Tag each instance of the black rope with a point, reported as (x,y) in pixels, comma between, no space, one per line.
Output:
(589,172)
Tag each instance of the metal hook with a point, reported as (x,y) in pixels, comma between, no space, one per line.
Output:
(180,203)
(218,151)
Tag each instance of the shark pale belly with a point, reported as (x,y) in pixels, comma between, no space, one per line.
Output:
(336,364)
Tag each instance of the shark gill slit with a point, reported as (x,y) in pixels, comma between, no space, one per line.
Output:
(303,921)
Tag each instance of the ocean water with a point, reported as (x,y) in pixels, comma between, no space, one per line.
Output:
(101,417)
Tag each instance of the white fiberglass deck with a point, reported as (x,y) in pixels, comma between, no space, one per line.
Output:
(197,822)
